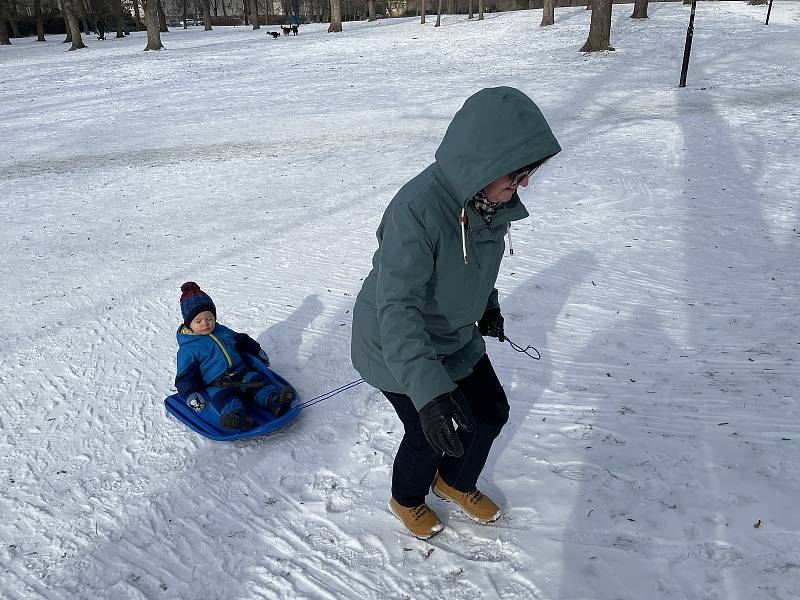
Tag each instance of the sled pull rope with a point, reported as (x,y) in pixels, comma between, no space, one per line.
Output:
(519,348)
(330,394)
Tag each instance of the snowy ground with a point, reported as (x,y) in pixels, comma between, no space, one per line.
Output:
(659,275)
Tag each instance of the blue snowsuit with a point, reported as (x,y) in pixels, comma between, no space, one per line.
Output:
(204,359)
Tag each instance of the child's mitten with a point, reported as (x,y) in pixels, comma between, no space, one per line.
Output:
(195,400)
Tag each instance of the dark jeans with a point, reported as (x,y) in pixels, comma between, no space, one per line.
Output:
(416,463)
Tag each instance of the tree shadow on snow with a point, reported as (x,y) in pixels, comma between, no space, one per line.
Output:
(525,381)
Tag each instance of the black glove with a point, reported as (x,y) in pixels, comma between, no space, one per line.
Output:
(491,324)
(437,422)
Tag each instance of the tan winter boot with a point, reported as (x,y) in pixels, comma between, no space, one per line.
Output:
(474,504)
(420,520)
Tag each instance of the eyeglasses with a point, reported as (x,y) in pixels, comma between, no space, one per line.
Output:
(518,176)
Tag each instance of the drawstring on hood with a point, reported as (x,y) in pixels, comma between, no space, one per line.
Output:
(463,220)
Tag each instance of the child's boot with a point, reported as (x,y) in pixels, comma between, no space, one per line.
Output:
(475,505)
(420,520)
(233,417)
(281,402)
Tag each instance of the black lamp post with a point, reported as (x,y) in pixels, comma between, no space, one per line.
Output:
(687,50)
(769,10)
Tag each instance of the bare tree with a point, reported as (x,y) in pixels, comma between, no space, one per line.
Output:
(471,14)
(4,39)
(151,21)
(336,17)
(136,16)
(207,15)
(254,14)
(480,9)
(371,9)
(422,10)
(116,5)
(162,19)
(13,18)
(74,28)
(599,28)
(68,37)
(439,14)
(37,11)
(639,9)
(81,12)
(548,13)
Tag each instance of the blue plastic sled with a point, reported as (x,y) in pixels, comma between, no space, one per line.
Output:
(206,421)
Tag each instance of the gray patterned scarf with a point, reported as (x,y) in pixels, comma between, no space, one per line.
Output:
(485,208)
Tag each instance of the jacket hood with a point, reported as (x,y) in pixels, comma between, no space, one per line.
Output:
(497,131)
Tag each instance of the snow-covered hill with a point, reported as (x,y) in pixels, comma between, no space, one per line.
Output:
(653,451)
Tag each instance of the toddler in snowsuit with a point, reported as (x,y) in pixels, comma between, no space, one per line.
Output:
(210,365)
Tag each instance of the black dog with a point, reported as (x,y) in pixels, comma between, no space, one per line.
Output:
(275,35)
(285,30)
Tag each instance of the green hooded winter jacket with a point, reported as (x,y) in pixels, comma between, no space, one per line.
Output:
(414,328)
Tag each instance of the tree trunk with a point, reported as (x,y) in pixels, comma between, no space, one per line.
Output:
(74,28)
(548,13)
(224,12)
(480,10)
(68,38)
(185,11)
(14,19)
(207,15)
(471,15)
(600,28)
(639,9)
(162,19)
(136,16)
(37,11)
(336,17)
(439,14)
(371,9)
(4,38)
(151,20)
(254,14)
(82,12)
(422,10)
(116,5)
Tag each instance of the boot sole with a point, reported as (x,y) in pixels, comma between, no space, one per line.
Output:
(442,496)
(236,422)
(419,537)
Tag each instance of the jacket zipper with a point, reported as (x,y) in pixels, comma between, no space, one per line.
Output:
(221,347)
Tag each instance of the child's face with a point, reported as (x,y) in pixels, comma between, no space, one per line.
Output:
(203,324)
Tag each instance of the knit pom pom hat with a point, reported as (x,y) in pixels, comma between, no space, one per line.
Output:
(194,301)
